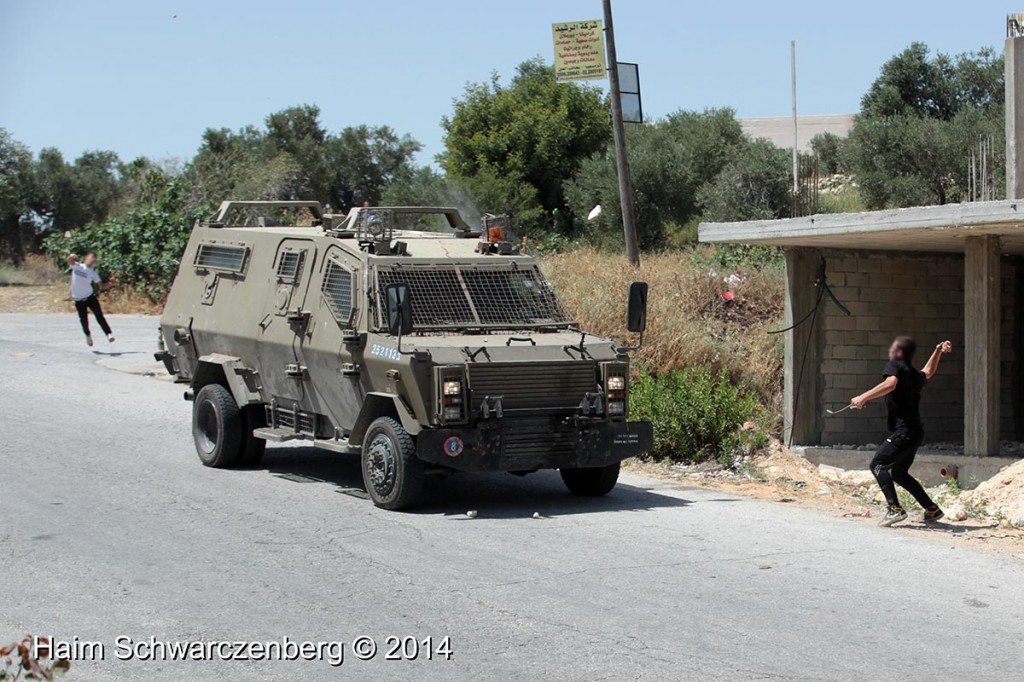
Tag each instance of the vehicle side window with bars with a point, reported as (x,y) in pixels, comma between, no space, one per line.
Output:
(225,257)
(337,290)
(289,265)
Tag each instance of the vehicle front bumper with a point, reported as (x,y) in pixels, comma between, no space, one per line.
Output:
(526,445)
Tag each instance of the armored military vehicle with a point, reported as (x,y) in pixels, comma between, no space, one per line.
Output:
(397,334)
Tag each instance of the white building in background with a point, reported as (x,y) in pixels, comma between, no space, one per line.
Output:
(779,129)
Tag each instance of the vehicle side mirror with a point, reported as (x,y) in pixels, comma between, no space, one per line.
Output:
(636,316)
(399,309)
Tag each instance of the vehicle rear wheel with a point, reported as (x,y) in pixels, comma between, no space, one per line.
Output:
(254,417)
(217,427)
(392,473)
(591,481)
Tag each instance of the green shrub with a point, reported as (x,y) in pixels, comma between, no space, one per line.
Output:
(739,256)
(697,414)
(140,250)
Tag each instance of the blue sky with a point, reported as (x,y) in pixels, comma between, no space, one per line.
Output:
(146,77)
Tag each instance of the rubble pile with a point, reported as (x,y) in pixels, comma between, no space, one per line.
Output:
(1001,497)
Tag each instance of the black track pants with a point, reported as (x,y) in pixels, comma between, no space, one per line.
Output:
(84,306)
(891,464)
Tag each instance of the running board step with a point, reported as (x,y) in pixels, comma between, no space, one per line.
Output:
(341,446)
(275,435)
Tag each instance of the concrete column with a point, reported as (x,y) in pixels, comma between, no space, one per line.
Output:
(1014,98)
(804,346)
(981,345)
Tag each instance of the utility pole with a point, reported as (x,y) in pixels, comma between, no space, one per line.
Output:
(796,155)
(619,134)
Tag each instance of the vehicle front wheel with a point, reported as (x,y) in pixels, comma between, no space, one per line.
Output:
(591,481)
(217,425)
(392,473)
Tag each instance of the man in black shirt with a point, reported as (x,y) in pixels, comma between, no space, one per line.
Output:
(901,386)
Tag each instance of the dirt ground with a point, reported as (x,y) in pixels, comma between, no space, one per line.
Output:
(55,298)
(781,476)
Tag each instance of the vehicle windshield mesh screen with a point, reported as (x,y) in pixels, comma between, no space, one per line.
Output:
(467,296)
(220,257)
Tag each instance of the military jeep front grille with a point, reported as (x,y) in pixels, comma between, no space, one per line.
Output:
(536,386)
(537,441)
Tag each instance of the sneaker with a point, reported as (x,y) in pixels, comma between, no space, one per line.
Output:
(110,338)
(88,340)
(895,515)
(932,515)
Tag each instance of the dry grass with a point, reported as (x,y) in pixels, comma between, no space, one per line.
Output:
(688,321)
(119,300)
(130,301)
(35,271)
(39,286)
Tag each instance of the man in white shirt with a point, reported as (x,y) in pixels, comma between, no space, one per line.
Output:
(83,277)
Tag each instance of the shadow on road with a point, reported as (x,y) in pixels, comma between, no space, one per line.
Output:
(117,354)
(950,528)
(495,496)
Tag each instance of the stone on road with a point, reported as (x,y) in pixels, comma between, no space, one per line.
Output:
(111,527)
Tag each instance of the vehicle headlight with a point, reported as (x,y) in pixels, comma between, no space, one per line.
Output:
(616,383)
(616,407)
(453,413)
(452,388)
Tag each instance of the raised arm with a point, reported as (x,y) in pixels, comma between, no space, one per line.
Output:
(932,366)
(887,386)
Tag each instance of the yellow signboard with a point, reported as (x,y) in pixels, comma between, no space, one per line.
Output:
(579,51)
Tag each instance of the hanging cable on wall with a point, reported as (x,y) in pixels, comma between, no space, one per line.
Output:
(821,284)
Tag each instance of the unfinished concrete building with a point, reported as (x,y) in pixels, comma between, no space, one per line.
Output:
(934,272)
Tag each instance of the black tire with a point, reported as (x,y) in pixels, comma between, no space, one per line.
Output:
(592,481)
(392,473)
(254,417)
(217,427)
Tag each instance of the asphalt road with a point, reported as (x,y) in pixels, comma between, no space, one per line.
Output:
(110,527)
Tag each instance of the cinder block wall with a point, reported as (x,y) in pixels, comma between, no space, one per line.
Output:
(890,294)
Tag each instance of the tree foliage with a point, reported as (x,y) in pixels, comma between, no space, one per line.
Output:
(142,248)
(939,87)
(485,192)
(16,193)
(918,124)
(827,148)
(138,212)
(295,157)
(688,164)
(532,133)
(754,186)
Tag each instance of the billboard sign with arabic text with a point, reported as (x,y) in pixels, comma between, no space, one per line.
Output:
(579,51)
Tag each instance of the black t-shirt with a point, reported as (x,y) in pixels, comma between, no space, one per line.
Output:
(904,402)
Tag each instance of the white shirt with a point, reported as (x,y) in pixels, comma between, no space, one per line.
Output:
(82,278)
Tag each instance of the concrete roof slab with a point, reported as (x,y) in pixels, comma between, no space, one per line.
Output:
(922,228)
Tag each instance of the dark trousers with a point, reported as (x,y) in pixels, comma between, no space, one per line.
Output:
(891,464)
(84,306)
